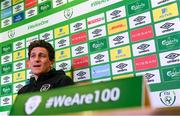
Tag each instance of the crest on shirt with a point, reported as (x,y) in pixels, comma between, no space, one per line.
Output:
(45,87)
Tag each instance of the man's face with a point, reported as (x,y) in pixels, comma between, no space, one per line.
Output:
(39,61)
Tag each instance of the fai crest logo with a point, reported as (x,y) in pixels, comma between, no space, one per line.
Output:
(32,104)
(45,87)
(68,13)
(167,97)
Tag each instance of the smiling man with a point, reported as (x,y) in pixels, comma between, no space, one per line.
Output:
(41,59)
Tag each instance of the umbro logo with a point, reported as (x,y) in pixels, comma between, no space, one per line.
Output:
(139,20)
(59,2)
(121,67)
(97,32)
(61,42)
(6,79)
(149,77)
(18,7)
(6,58)
(19,65)
(19,86)
(6,22)
(46,36)
(115,14)
(172,57)
(6,100)
(63,66)
(143,48)
(77,26)
(118,39)
(19,45)
(99,58)
(81,75)
(167,27)
(6,3)
(80,48)
(31,12)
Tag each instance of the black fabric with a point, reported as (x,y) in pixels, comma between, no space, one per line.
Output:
(53,78)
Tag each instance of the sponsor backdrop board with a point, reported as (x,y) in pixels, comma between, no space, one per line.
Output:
(96,40)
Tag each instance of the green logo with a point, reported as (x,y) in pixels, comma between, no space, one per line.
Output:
(6,69)
(169,43)
(138,6)
(6,90)
(45,6)
(100,44)
(170,74)
(6,49)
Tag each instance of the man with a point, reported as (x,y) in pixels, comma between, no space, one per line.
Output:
(41,59)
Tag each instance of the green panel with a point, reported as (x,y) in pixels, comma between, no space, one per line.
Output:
(98,45)
(169,42)
(138,6)
(74,99)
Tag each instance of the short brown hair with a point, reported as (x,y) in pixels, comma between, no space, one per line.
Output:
(44,44)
